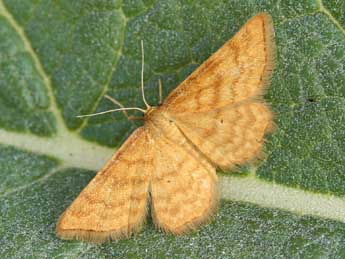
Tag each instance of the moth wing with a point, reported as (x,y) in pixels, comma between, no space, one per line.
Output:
(231,135)
(183,186)
(239,70)
(219,106)
(114,203)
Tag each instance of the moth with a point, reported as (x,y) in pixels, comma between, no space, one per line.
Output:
(216,118)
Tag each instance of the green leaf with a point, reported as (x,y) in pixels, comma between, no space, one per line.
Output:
(59,58)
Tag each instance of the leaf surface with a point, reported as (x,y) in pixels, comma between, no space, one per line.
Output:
(59,58)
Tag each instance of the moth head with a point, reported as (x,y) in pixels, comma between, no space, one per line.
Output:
(150,111)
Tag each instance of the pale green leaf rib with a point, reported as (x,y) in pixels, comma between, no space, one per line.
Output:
(76,152)
(65,144)
(28,185)
(267,194)
(53,106)
(69,149)
(324,10)
(113,68)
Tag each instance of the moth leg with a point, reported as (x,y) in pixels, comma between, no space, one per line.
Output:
(116,102)
(134,118)
(160,87)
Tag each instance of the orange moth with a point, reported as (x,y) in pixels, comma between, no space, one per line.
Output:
(215,118)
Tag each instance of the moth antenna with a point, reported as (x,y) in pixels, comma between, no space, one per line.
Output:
(142,75)
(113,110)
(160,87)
